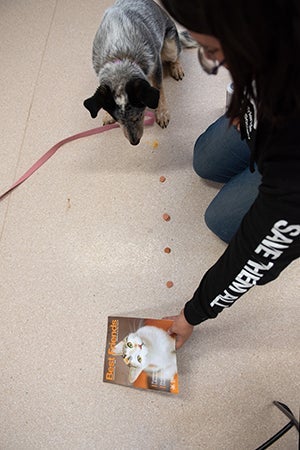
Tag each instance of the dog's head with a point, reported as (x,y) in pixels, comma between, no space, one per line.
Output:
(126,105)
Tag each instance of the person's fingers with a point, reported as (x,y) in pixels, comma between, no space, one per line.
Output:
(179,342)
(170,330)
(170,318)
(180,329)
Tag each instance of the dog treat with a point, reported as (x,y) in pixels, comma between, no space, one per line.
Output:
(167,250)
(169,284)
(166,217)
(155,144)
(162,179)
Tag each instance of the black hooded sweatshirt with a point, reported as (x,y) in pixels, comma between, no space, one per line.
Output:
(268,239)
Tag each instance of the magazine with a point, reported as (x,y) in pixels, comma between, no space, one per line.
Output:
(140,354)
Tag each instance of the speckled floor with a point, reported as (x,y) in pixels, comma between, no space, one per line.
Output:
(83,238)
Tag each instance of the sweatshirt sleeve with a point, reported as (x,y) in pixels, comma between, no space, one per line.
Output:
(268,239)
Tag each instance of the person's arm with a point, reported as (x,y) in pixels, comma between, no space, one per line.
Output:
(266,242)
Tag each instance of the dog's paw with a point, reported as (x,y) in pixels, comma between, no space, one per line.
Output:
(162,117)
(176,70)
(107,119)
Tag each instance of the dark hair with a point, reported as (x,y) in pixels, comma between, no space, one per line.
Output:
(261,42)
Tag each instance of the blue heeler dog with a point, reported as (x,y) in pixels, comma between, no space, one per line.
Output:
(133,40)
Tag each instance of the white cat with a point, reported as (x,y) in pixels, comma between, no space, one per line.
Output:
(149,349)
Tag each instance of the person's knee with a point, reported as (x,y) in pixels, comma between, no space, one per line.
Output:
(209,150)
(215,222)
(201,158)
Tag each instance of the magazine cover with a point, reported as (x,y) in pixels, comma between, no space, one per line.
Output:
(141,354)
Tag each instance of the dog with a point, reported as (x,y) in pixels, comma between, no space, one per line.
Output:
(134,39)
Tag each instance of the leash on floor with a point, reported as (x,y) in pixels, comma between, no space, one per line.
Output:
(149,120)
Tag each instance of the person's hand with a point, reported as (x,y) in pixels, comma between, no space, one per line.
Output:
(180,328)
(236,123)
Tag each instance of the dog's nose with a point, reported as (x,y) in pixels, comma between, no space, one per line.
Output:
(135,141)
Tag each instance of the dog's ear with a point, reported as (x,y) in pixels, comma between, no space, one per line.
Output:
(149,95)
(97,101)
(141,93)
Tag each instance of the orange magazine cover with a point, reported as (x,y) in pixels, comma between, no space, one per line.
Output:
(141,354)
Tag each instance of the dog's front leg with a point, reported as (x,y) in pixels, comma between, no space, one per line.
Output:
(107,119)
(161,113)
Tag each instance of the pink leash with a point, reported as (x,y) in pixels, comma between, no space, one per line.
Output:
(149,120)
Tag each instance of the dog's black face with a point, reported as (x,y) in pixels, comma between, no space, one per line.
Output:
(127,107)
(131,120)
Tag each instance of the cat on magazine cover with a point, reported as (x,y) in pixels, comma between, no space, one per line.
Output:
(149,349)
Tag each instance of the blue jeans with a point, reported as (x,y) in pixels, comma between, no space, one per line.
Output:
(220,155)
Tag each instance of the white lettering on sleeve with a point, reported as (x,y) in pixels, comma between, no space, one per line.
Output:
(272,247)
